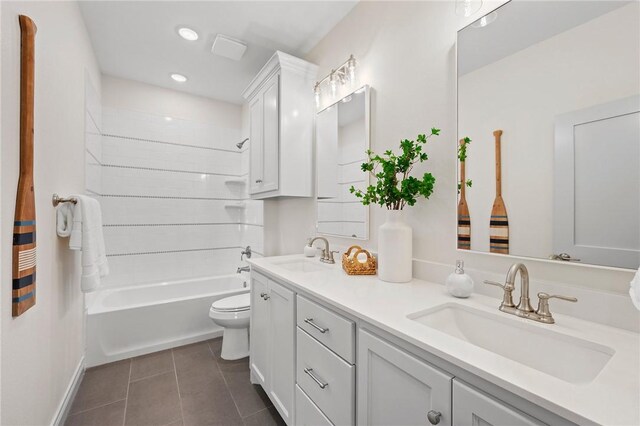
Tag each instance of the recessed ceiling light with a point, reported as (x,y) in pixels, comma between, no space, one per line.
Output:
(188,34)
(179,77)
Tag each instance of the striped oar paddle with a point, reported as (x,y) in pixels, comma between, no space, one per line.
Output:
(499,225)
(24,226)
(464,220)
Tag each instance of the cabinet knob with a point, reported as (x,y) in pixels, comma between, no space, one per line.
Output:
(434,417)
(258,180)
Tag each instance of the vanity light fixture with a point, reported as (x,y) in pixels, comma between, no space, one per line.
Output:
(485,20)
(339,76)
(178,77)
(188,34)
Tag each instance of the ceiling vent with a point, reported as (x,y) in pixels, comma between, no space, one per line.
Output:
(228,47)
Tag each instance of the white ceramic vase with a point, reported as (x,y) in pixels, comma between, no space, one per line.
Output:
(395,249)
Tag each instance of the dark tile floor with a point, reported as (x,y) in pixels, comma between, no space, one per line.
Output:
(189,385)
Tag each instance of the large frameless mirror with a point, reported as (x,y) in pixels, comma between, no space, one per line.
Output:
(548,97)
(342,139)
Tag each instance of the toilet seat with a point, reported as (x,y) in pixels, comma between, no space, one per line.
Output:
(238,303)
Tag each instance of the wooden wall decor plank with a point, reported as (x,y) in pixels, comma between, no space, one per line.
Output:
(24,231)
(499,224)
(464,219)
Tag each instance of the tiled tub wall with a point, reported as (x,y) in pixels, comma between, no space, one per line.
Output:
(174,200)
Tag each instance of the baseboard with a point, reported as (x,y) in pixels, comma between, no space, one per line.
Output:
(65,405)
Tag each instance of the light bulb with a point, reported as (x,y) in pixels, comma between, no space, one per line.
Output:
(351,69)
(485,20)
(333,83)
(467,7)
(316,91)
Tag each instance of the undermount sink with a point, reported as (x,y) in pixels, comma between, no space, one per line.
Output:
(571,359)
(302,265)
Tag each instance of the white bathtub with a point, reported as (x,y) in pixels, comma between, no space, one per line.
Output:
(130,321)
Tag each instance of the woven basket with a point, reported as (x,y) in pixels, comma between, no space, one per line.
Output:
(353,266)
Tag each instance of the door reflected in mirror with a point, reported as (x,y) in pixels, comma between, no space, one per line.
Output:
(561,81)
(342,139)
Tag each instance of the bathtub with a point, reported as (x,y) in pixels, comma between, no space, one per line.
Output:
(129,321)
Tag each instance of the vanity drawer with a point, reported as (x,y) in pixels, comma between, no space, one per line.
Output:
(307,413)
(333,330)
(326,379)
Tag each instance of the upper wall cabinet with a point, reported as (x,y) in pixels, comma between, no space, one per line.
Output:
(281,114)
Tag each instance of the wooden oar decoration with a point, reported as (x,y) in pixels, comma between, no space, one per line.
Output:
(499,225)
(24,226)
(464,220)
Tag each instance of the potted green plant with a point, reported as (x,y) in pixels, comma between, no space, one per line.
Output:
(395,188)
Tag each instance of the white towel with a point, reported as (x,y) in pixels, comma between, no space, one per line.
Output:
(87,236)
(64,219)
(634,290)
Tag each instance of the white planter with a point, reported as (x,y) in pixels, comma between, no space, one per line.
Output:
(395,249)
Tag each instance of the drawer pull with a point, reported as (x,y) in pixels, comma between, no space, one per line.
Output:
(434,417)
(315,378)
(314,325)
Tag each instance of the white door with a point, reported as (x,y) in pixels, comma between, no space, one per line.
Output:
(597,184)
(396,388)
(259,329)
(271,135)
(256,144)
(474,408)
(281,350)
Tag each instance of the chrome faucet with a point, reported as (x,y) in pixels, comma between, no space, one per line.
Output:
(524,308)
(327,254)
(243,269)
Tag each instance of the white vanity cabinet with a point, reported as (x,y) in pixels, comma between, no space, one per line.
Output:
(322,366)
(396,388)
(281,116)
(272,342)
(472,407)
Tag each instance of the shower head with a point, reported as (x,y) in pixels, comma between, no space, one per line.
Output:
(239,144)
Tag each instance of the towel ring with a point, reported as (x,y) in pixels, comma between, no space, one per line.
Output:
(56,199)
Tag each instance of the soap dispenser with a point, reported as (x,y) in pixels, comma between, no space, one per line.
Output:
(459,284)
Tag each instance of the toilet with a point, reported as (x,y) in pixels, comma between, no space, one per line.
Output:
(232,313)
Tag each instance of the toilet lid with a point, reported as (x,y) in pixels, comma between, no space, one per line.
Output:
(241,302)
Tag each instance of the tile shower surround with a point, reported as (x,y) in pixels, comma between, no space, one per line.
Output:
(164,191)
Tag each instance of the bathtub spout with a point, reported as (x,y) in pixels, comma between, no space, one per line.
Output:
(243,269)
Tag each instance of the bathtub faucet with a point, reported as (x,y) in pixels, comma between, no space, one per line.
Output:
(243,269)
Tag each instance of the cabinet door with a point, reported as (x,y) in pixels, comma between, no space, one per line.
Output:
(281,354)
(396,388)
(271,135)
(256,144)
(474,408)
(259,329)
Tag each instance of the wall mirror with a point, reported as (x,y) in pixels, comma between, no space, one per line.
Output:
(342,139)
(548,93)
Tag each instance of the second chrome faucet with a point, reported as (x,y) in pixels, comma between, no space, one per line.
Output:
(524,308)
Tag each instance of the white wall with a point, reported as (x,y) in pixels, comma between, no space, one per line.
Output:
(561,76)
(166,159)
(406,52)
(42,349)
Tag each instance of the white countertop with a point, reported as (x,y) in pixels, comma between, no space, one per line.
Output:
(612,398)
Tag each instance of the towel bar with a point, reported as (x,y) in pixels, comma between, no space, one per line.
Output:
(56,199)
